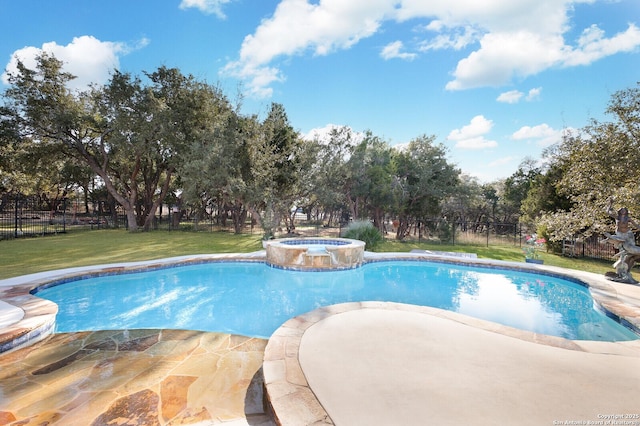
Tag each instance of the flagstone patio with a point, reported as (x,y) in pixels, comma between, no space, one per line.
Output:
(134,377)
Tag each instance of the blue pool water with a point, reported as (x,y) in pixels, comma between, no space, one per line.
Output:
(253,299)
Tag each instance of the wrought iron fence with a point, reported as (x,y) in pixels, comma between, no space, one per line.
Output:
(591,247)
(24,217)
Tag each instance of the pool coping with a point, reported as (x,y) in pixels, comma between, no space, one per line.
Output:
(292,400)
(38,320)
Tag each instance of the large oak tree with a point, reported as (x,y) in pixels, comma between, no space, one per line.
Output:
(130,133)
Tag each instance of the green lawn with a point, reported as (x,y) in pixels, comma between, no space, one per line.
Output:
(82,248)
(504,252)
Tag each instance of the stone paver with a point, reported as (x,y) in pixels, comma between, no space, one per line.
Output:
(134,377)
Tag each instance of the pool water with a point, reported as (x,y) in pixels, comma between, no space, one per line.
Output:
(253,299)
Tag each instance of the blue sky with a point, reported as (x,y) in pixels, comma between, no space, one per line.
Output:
(494,80)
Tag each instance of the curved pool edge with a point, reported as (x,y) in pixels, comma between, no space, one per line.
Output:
(620,301)
(293,400)
(38,319)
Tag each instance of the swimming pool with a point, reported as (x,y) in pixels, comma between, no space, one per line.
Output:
(253,299)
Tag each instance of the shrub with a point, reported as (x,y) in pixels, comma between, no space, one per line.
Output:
(364,231)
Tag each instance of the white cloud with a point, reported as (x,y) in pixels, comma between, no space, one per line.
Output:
(472,136)
(506,55)
(321,133)
(394,50)
(456,38)
(512,39)
(297,27)
(476,143)
(515,96)
(510,97)
(324,134)
(86,57)
(593,45)
(479,125)
(534,94)
(259,78)
(206,6)
(542,134)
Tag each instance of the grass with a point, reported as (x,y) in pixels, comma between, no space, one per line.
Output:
(82,248)
(507,252)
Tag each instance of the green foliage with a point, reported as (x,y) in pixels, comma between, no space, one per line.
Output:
(424,179)
(599,164)
(444,231)
(145,140)
(364,231)
(518,185)
(329,174)
(544,195)
(131,134)
(370,180)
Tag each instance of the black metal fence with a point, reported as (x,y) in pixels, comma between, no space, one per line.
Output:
(515,234)
(592,247)
(22,217)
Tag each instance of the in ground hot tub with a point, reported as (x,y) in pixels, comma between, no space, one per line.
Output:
(315,253)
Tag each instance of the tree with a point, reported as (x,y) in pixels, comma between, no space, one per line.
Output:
(130,134)
(275,164)
(467,203)
(218,171)
(328,175)
(516,189)
(544,195)
(424,180)
(147,131)
(369,185)
(246,166)
(599,164)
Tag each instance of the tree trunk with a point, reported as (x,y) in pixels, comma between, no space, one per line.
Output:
(403,228)
(378,219)
(131,219)
(159,199)
(238,215)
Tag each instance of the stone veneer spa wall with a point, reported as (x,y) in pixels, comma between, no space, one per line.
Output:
(315,254)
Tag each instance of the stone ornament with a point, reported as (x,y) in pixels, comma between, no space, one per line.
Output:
(625,241)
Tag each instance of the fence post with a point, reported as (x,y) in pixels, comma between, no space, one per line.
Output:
(64,214)
(15,226)
(453,232)
(487,233)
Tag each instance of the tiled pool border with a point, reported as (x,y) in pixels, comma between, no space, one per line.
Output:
(39,318)
(314,241)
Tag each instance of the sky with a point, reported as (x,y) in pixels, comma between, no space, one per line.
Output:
(494,81)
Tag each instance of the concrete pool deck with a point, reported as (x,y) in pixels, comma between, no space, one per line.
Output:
(393,364)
